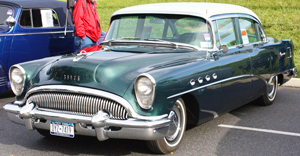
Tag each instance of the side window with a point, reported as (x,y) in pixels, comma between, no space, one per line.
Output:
(260,33)
(25,20)
(39,18)
(248,32)
(227,32)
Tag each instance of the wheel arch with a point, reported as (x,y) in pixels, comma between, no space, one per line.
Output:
(280,79)
(192,108)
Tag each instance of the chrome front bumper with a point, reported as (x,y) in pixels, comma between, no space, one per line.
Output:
(99,125)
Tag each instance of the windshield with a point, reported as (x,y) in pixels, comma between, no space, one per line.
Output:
(5,12)
(172,28)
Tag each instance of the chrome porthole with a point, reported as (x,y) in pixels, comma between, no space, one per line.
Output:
(215,76)
(207,77)
(192,82)
(200,80)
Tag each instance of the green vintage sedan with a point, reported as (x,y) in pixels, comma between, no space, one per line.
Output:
(161,66)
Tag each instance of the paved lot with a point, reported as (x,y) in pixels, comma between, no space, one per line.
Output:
(254,130)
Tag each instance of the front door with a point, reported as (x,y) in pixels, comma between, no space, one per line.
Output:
(235,65)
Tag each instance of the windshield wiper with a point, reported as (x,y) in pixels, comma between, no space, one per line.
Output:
(151,42)
(154,39)
(129,38)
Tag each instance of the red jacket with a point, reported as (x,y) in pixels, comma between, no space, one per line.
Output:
(87,22)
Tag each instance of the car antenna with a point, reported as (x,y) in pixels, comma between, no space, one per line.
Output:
(208,28)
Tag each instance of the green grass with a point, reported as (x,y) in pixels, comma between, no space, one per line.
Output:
(280,18)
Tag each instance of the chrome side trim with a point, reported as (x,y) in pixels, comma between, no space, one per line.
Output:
(39,33)
(210,84)
(95,92)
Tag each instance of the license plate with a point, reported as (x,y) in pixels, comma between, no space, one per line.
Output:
(62,129)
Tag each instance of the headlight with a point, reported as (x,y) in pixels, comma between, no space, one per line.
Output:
(17,79)
(145,90)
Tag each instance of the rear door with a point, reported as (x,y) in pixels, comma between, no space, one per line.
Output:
(260,55)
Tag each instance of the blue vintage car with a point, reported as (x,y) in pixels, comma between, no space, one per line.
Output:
(161,66)
(32,29)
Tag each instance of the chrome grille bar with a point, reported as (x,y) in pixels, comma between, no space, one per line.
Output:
(77,103)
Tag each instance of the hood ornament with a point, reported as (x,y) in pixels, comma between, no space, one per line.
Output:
(81,54)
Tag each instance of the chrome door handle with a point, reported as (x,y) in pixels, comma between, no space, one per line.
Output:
(240,46)
(62,37)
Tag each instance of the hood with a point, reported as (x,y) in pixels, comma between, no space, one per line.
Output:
(108,71)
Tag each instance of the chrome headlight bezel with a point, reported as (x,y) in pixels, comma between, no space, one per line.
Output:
(145,100)
(17,87)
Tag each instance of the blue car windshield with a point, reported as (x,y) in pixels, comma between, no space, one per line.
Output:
(5,12)
(180,29)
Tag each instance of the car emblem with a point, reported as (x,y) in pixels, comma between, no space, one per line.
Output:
(81,55)
(72,77)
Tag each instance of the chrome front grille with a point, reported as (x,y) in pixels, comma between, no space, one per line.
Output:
(78,104)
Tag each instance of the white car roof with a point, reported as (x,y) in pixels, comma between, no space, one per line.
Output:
(205,10)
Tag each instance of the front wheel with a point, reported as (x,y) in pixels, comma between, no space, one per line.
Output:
(270,94)
(175,134)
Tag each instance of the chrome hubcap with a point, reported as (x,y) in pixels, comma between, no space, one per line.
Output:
(272,88)
(175,125)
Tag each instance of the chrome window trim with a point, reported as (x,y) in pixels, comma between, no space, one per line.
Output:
(94,92)
(210,84)
(31,19)
(217,28)
(263,32)
(234,16)
(38,33)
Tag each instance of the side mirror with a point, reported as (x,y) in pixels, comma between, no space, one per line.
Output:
(10,21)
(223,48)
